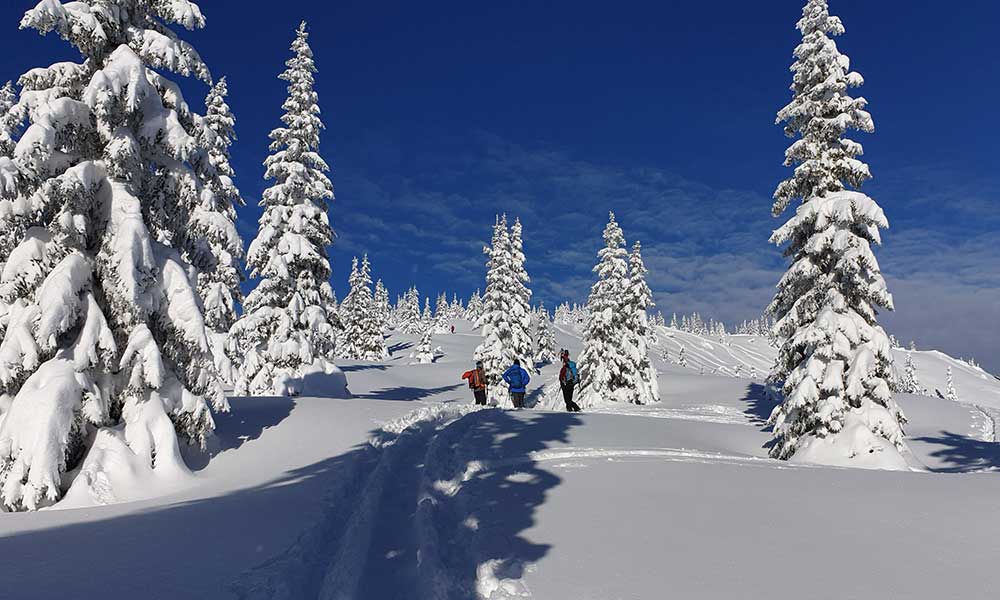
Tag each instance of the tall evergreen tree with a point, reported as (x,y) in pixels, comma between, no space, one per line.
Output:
(427,319)
(604,362)
(520,294)
(475,307)
(103,325)
(496,350)
(219,282)
(834,362)
(382,306)
(288,323)
(363,339)
(410,321)
(637,301)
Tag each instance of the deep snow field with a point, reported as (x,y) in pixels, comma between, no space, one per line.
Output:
(407,491)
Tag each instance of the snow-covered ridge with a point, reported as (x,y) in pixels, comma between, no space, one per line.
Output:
(751,357)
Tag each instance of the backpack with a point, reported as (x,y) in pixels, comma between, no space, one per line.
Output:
(475,381)
(574,374)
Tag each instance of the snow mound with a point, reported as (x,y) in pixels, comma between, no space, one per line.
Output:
(113,473)
(320,379)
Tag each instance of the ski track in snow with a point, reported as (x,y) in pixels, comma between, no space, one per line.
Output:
(388,544)
(984,422)
(725,415)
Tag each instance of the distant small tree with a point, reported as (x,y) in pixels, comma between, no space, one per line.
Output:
(424,354)
(910,383)
(951,394)
(545,341)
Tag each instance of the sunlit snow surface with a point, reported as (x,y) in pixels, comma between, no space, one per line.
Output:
(408,491)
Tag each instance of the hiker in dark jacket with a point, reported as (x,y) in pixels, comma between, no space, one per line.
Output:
(568,378)
(517,378)
(477,382)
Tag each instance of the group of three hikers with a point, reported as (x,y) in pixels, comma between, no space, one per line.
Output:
(517,379)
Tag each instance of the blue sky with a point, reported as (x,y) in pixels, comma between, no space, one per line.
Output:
(441,114)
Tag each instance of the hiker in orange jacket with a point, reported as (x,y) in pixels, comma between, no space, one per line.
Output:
(477,382)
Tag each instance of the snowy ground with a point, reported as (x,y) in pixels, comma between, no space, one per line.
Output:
(407,491)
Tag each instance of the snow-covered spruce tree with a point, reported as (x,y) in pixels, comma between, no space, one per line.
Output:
(424,354)
(950,392)
(362,338)
(605,362)
(103,327)
(545,340)
(834,362)
(8,134)
(351,312)
(409,317)
(288,323)
(637,301)
(427,318)
(11,226)
(682,357)
(562,316)
(382,306)
(441,306)
(457,308)
(373,329)
(910,383)
(520,306)
(219,281)
(475,307)
(496,350)
(442,314)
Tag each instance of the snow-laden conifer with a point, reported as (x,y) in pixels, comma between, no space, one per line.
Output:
(104,335)
(288,324)
(910,383)
(474,308)
(409,320)
(363,337)
(496,350)
(424,354)
(605,362)
(950,392)
(11,225)
(520,298)
(219,281)
(562,315)
(8,128)
(545,339)
(427,318)
(457,308)
(636,303)
(834,362)
(382,306)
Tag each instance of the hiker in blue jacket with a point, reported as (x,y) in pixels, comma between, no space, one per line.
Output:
(517,378)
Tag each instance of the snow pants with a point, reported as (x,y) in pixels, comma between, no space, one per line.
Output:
(480,397)
(518,399)
(568,398)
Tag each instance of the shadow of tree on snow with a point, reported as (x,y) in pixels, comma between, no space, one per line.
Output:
(962,454)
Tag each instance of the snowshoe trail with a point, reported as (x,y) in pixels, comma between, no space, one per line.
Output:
(397,525)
